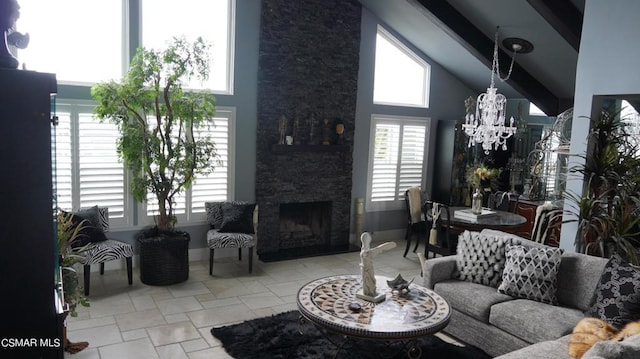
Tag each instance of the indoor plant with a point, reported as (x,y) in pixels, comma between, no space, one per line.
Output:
(69,255)
(607,209)
(158,121)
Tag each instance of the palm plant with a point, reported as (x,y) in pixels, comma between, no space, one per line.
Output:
(69,256)
(607,210)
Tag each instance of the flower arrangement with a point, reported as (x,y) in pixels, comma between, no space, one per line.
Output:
(478,175)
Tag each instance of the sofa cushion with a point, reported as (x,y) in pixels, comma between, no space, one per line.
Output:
(480,258)
(556,349)
(534,321)
(531,273)
(609,349)
(577,279)
(472,299)
(617,296)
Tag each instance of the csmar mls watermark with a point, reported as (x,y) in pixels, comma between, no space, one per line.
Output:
(30,343)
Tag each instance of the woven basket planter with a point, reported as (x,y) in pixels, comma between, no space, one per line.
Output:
(164,259)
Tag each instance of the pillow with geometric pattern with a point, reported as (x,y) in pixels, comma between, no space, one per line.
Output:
(531,273)
(617,296)
(480,258)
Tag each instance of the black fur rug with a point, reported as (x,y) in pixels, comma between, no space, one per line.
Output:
(278,337)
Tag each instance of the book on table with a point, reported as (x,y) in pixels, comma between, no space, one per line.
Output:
(469,214)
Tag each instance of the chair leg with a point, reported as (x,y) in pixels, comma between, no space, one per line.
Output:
(239,254)
(102,268)
(417,243)
(129,270)
(210,261)
(406,248)
(250,260)
(87,279)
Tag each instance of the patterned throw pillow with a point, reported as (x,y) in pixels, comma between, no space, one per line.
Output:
(237,218)
(617,296)
(531,273)
(481,258)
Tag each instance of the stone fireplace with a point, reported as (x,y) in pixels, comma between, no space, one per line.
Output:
(308,73)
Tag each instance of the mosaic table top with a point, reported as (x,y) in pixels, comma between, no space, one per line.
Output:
(325,302)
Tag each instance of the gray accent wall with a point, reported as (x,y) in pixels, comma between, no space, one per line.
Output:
(446,103)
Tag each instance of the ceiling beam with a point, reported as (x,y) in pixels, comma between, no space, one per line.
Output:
(563,16)
(473,40)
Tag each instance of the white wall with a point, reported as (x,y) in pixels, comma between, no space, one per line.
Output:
(607,64)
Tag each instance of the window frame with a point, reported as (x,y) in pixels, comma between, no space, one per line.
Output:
(229,59)
(397,203)
(381,31)
(190,218)
(75,108)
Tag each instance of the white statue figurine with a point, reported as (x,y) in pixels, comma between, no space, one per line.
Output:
(366,266)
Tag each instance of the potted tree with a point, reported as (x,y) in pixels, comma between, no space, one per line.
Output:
(607,210)
(159,125)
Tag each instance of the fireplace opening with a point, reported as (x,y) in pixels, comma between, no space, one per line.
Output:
(304,224)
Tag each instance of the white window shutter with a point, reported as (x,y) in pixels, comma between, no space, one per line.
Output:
(101,174)
(396,159)
(63,161)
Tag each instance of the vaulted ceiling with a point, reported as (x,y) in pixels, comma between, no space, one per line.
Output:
(459,35)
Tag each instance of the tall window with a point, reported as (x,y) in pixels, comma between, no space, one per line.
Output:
(396,159)
(88,171)
(401,77)
(211,19)
(80,41)
(215,186)
(84,42)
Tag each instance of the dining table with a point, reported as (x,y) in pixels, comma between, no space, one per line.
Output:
(500,220)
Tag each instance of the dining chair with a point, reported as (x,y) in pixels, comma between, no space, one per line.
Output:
(546,220)
(416,225)
(445,244)
(501,200)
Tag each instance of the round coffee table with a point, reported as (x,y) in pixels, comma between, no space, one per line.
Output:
(325,302)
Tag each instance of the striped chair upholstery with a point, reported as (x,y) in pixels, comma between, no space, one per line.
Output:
(101,252)
(217,239)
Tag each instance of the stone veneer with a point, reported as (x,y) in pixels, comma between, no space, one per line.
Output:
(308,66)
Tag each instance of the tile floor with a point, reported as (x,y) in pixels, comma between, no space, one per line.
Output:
(142,321)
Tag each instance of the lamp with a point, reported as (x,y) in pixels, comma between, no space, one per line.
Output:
(488,125)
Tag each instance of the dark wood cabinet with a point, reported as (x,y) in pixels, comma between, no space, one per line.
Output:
(31,325)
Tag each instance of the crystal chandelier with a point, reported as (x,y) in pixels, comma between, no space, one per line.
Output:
(488,124)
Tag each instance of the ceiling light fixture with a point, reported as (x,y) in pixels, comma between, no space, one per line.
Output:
(487,126)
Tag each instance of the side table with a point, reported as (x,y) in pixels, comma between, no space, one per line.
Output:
(164,260)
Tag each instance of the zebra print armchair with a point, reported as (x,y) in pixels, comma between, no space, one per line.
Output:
(233,225)
(104,251)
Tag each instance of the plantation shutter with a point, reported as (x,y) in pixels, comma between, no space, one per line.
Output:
(385,162)
(101,175)
(412,158)
(214,186)
(398,158)
(62,162)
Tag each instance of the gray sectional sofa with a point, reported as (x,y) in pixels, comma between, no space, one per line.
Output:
(499,323)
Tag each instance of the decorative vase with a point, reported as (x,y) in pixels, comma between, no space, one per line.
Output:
(476,202)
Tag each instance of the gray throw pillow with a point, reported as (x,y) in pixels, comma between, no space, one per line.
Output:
(481,258)
(531,273)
